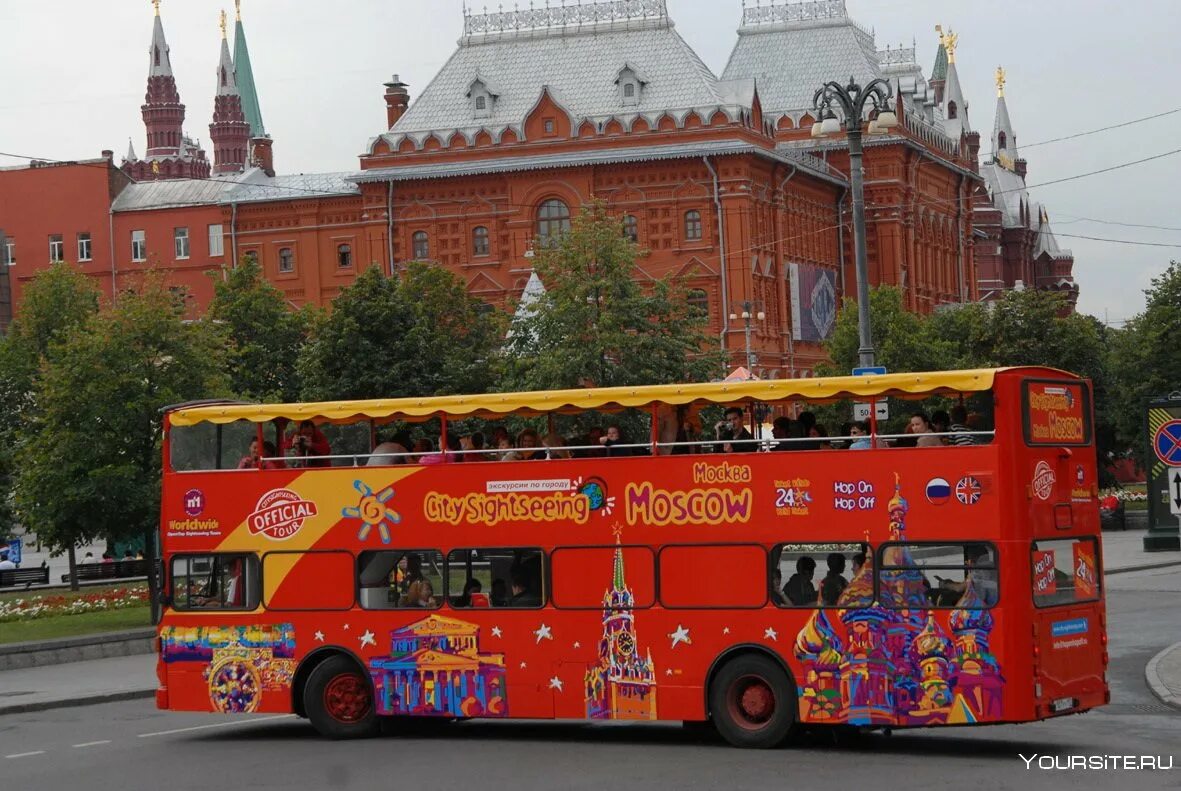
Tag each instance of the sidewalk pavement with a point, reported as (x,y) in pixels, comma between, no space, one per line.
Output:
(78,683)
(123,678)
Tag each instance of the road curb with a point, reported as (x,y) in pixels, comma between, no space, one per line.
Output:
(82,700)
(1144,567)
(1152,676)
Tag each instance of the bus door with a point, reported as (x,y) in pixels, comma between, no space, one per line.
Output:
(1069,625)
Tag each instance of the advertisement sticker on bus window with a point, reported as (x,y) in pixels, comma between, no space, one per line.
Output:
(1056,413)
(1085,577)
(1044,581)
(279,514)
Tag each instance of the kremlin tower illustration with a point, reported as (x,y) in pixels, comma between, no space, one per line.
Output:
(891,661)
(622,684)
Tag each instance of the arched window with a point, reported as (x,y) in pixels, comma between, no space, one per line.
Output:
(1000,140)
(344,255)
(951,110)
(422,245)
(553,222)
(481,102)
(480,241)
(692,226)
(286,259)
(629,90)
(698,300)
(631,228)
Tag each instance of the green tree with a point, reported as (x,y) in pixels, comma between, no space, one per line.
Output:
(266,336)
(90,466)
(900,338)
(596,323)
(420,335)
(56,302)
(1144,358)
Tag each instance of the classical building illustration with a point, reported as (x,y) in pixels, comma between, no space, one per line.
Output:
(621,685)
(435,667)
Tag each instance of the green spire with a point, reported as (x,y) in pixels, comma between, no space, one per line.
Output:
(939,71)
(617,581)
(245,79)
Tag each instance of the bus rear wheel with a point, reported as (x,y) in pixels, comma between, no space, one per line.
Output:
(752,702)
(338,699)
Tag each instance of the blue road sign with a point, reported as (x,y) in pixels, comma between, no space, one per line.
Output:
(872,370)
(1167,443)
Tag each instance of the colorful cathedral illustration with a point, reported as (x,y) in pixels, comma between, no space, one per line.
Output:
(435,668)
(891,661)
(622,684)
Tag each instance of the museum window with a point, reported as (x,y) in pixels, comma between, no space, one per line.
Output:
(84,247)
(553,222)
(421,243)
(286,259)
(344,256)
(631,228)
(180,237)
(698,300)
(692,226)
(57,249)
(216,243)
(139,246)
(480,245)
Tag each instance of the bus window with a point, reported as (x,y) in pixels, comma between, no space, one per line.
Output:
(713,576)
(589,577)
(916,575)
(392,579)
(1065,571)
(212,446)
(508,577)
(348,440)
(215,582)
(810,575)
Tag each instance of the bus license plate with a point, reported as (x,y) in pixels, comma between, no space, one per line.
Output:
(1063,704)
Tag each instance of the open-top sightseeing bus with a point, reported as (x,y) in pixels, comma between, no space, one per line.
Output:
(763,591)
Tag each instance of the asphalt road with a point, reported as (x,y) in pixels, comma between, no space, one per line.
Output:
(130,746)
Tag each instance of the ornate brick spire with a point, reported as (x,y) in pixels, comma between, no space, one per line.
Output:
(229,131)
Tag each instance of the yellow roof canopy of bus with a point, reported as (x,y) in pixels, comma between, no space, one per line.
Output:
(821,389)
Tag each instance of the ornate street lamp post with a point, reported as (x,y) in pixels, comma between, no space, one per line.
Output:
(749,312)
(852,101)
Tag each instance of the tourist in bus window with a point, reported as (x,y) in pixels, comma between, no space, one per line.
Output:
(834,582)
(959,426)
(269,457)
(799,589)
(612,439)
(555,446)
(309,446)
(940,423)
(523,595)
(860,434)
(733,434)
(980,572)
(499,597)
(920,426)
(781,430)
(777,587)
(528,447)
(390,451)
(420,594)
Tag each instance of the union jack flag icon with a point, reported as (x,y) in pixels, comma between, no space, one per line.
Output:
(968,490)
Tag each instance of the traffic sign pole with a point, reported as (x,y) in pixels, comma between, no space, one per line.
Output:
(1163,431)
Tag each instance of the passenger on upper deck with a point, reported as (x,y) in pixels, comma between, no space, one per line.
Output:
(959,426)
(268,456)
(611,439)
(860,433)
(781,430)
(732,434)
(920,426)
(390,451)
(307,445)
(555,446)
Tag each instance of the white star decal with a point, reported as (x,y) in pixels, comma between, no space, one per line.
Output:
(577,644)
(523,665)
(367,639)
(668,672)
(771,634)
(681,635)
(543,633)
(555,683)
(319,636)
(725,630)
(496,631)
(346,627)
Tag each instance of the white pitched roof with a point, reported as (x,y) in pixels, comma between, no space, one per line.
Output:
(159,45)
(1007,191)
(580,66)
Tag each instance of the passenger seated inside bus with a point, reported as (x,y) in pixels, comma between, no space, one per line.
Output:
(799,589)
(732,435)
(420,594)
(392,450)
(981,573)
(522,595)
(499,597)
(612,439)
(777,587)
(473,595)
(307,446)
(834,583)
(268,457)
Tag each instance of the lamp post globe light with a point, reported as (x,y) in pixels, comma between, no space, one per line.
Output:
(851,101)
(749,312)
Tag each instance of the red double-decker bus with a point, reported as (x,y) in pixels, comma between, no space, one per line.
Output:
(316,564)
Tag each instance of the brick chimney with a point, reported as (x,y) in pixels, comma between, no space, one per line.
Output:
(108,155)
(974,150)
(1020,167)
(397,99)
(261,154)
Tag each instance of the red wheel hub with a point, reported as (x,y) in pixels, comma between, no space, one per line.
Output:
(752,702)
(347,698)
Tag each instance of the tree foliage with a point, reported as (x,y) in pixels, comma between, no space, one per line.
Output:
(596,322)
(90,466)
(422,334)
(1145,359)
(265,334)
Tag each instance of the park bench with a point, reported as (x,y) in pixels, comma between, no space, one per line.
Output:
(88,572)
(13,577)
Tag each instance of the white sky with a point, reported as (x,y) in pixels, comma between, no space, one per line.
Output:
(73,74)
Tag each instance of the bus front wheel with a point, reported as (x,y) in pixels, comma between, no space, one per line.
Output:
(338,699)
(752,702)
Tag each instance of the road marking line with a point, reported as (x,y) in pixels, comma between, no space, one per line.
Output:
(215,725)
(93,744)
(25,755)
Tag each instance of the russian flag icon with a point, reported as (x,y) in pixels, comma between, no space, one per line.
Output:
(938,491)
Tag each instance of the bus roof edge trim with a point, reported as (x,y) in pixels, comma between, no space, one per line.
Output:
(818,389)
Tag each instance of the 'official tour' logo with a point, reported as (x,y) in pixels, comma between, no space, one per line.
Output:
(280,514)
(1043,480)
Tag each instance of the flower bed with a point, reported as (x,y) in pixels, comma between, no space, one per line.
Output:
(1127,495)
(50,605)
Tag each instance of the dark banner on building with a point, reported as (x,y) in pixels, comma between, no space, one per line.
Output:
(813,302)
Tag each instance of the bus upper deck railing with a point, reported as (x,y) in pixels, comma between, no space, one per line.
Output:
(695,447)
